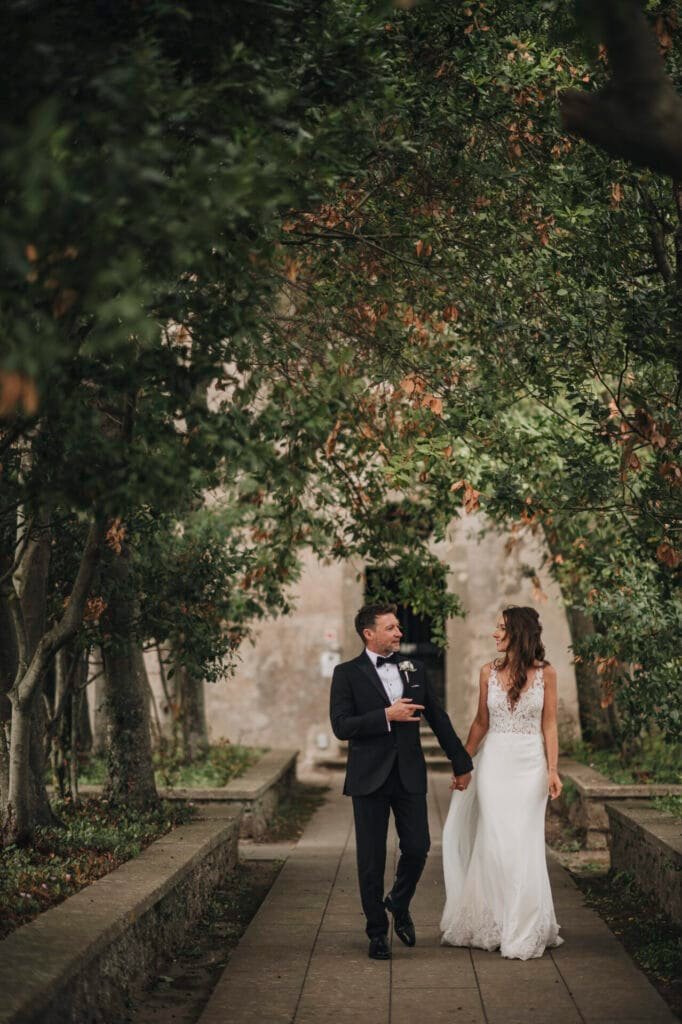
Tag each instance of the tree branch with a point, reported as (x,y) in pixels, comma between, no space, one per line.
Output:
(677,196)
(638,114)
(66,627)
(20,551)
(657,236)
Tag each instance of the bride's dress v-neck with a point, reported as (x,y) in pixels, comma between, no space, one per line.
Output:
(497,887)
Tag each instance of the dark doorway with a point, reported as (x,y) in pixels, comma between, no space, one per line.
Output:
(382,584)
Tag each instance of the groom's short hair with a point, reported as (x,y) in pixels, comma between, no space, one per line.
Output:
(368,615)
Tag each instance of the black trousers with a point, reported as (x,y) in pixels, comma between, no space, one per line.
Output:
(372,814)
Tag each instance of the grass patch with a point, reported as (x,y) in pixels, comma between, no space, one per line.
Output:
(650,937)
(654,762)
(94,839)
(218,766)
(669,804)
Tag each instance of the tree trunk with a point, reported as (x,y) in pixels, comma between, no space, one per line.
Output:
(84,730)
(22,811)
(154,719)
(99,704)
(32,587)
(76,702)
(71,668)
(596,721)
(129,754)
(18,818)
(58,751)
(8,668)
(190,698)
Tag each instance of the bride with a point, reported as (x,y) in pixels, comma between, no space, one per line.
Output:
(496,881)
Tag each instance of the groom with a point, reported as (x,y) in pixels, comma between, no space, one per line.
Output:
(376,702)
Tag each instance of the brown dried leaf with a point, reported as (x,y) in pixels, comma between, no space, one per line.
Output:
(434,404)
(412,384)
(671,472)
(115,535)
(95,608)
(617,195)
(17,389)
(669,555)
(63,302)
(664,25)
(330,443)
(291,269)
(470,499)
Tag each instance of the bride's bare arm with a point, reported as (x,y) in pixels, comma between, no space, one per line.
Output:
(550,732)
(479,726)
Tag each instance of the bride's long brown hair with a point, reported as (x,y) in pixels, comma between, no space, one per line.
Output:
(523,629)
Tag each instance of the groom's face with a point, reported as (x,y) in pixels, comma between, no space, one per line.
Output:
(384,636)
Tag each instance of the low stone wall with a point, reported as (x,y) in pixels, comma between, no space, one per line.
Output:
(257,792)
(647,844)
(80,961)
(586,793)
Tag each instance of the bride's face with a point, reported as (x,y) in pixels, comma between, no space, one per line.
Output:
(500,634)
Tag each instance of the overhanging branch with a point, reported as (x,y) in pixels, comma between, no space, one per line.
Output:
(638,114)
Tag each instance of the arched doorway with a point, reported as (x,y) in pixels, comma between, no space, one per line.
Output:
(381,584)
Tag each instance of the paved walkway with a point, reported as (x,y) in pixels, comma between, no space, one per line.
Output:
(304,957)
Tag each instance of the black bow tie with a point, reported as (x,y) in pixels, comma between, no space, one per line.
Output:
(391,660)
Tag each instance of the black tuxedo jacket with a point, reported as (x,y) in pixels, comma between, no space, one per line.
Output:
(358,714)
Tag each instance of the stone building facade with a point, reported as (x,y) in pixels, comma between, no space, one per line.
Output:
(279,694)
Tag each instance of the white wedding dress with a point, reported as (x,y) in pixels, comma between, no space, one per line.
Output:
(496,882)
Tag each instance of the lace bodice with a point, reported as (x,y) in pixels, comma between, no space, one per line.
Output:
(526,716)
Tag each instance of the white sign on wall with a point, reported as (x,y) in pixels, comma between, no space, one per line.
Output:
(328,661)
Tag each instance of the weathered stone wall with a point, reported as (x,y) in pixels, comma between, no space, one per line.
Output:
(647,844)
(280,692)
(488,572)
(81,960)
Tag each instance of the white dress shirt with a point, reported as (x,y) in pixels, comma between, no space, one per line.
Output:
(392,681)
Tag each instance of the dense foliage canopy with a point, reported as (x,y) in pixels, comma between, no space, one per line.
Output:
(308,273)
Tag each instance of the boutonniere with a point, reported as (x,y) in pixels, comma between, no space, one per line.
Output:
(406,666)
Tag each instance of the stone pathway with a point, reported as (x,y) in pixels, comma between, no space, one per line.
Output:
(304,957)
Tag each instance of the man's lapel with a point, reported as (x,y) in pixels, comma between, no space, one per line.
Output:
(368,668)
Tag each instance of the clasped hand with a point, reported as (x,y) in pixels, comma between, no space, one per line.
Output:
(403,710)
(460,782)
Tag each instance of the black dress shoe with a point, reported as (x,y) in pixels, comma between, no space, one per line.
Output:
(379,948)
(403,924)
